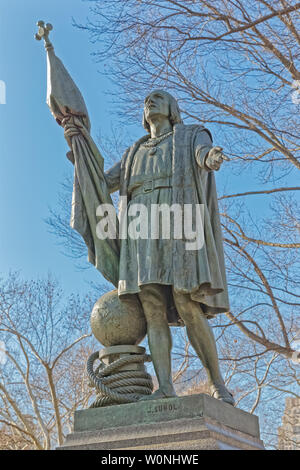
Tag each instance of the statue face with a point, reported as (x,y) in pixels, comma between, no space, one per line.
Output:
(157,104)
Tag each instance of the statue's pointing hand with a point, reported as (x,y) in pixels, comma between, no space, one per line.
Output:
(215,158)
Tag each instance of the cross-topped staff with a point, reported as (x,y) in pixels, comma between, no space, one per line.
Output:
(43,32)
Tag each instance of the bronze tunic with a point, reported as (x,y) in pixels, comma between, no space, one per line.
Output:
(150,259)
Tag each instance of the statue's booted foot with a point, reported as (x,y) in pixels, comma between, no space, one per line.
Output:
(220,392)
(158,394)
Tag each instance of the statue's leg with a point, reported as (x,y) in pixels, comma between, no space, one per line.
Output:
(203,341)
(153,300)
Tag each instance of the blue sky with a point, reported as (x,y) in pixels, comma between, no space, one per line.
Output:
(32,157)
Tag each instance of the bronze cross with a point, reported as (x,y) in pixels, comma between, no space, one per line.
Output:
(43,32)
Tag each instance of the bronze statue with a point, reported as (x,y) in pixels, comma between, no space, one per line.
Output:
(172,166)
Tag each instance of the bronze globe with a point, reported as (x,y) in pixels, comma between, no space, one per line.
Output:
(116,322)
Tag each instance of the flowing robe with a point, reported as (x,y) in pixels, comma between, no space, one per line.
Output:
(200,273)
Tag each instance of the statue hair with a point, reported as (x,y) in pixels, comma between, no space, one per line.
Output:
(174,116)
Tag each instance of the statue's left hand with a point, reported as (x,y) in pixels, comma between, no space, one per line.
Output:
(215,158)
(70,129)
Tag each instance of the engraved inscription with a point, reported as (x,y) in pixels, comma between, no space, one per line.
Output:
(161,408)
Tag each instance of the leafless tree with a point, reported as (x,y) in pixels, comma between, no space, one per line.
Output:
(42,380)
(230,63)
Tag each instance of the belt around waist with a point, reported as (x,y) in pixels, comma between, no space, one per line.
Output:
(149,186)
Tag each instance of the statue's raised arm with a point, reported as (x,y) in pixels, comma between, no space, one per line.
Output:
(67,105)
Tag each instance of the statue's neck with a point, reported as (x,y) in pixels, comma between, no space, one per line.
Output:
(159,127)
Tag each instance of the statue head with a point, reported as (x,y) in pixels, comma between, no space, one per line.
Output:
(160,102)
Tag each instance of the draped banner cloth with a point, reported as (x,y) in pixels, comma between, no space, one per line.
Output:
(90,189)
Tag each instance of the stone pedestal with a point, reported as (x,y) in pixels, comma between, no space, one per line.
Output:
(193,422)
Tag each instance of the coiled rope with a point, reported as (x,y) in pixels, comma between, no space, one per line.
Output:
(115,387)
